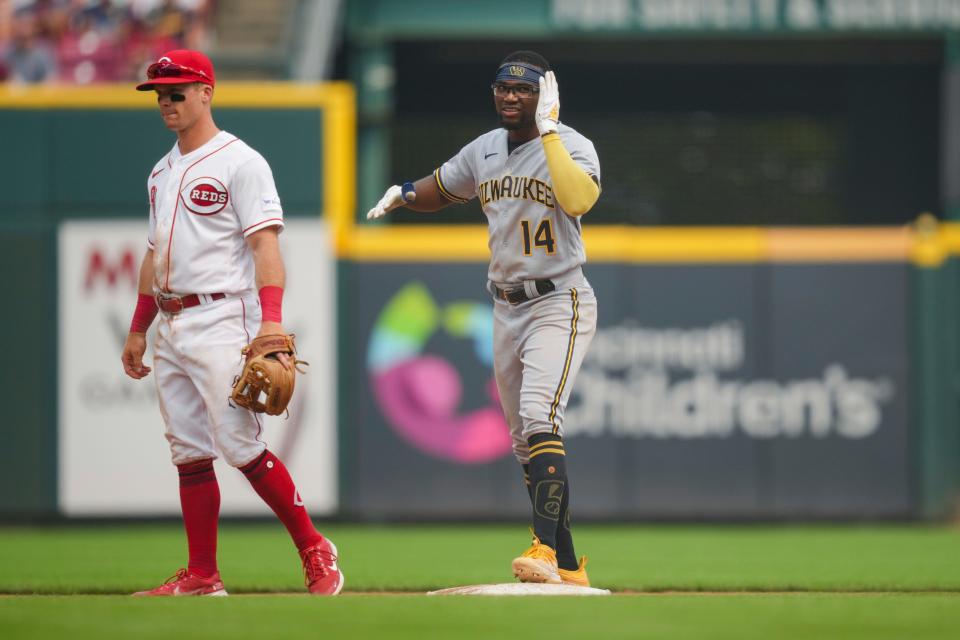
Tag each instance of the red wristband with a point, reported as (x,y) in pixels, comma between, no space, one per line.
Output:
(271,303)
(144,314)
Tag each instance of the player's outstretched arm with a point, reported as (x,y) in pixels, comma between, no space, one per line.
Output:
(574,188)
(422,195)
(136,343)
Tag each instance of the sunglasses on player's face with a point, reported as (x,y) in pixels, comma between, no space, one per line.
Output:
(523,91)
(175,96)
(171,70)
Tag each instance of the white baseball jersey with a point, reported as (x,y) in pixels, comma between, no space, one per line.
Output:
(531,237)
(202,207)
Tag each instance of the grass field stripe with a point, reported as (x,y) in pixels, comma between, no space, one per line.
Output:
(547,443)
(557,451)
(449,196)
(566,364)
(809,574)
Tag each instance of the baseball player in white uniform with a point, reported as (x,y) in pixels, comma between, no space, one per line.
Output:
(214,273)
(535,178)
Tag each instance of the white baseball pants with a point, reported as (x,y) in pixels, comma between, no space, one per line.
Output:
(539,346)
(197,356)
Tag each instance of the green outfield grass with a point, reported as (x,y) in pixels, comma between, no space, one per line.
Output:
(739,582)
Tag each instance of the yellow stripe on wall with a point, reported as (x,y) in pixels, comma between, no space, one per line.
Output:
(249,95)
(339,157)
(416,243)
(673,245)
(615,243)
(843,244)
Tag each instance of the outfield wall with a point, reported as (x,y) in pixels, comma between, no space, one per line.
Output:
(735,390)
(737,373)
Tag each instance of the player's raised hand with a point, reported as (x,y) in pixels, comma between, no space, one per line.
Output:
(548,106)
(393,198)
(132,356)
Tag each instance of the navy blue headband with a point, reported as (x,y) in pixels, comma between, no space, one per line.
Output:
(519,71)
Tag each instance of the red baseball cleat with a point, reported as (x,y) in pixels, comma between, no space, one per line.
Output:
(321,573)
(185,583)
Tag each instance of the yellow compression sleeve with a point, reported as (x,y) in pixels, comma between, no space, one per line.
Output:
(573,187)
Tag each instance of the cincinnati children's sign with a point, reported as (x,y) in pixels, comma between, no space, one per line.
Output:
(641,382)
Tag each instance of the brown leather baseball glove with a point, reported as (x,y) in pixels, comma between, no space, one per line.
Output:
(265,385)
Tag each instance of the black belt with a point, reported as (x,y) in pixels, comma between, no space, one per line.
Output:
(518,295)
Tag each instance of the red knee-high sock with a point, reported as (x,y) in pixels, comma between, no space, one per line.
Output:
(200,503)
(272,482)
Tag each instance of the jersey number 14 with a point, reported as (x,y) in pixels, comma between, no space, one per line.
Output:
(543,237)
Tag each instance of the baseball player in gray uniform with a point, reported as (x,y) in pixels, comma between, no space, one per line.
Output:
(535,178)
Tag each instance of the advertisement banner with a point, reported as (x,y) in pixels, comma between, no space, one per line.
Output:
(748,390)
(429,437)
(113,457)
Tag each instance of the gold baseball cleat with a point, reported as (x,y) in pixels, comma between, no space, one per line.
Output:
(537,564)
(576,577)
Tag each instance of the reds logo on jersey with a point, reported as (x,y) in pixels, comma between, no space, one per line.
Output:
(205,196)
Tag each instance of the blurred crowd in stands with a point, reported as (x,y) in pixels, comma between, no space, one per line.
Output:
(88,41)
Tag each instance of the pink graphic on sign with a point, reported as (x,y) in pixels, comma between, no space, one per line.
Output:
(420,394)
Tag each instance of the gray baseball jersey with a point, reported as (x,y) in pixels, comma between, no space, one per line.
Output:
(538,345)
(531,237)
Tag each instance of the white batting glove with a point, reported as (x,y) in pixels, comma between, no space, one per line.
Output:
(548,106)
(393,198)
